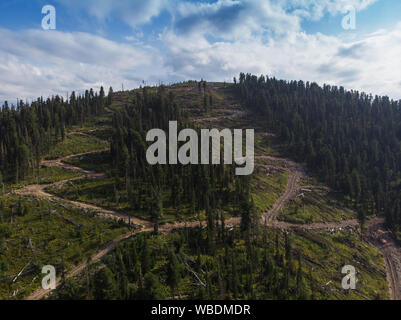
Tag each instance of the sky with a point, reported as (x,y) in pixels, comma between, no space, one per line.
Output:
(350,43)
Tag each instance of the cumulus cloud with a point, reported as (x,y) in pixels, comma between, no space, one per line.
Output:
(241,18)
(210,40)
(220,39)
(316,9)
(371,64)
(232,19)
(36,62)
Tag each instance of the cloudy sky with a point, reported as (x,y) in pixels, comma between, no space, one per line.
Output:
(115,42)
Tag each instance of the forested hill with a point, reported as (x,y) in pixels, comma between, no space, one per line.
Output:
(27,132)
(351,140)
(80,195)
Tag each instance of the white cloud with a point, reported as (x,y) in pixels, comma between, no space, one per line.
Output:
(233,19)
(214,41)
(36,62)
(316,9)
(371,64)
(135,37)
(265,37)
(218,40)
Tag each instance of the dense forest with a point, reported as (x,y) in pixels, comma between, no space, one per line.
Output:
(351,140)
(190,189)
(235,263)
(28,131)
(181,264)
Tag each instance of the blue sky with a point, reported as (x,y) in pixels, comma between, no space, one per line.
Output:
(106,42)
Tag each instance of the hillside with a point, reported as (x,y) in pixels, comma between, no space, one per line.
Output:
(118,228)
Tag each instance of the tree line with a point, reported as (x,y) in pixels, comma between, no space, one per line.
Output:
(191,189)
(29,131)
(351,140)
(181,266)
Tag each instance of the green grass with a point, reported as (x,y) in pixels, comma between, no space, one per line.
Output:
(103,133)
(266,188)
(101,193)
(317,205)
(75,144)
(328,253)
(97,162)
(264,145)
(323,256)
(94,123)
(97,192)
(54,242)
(46,176)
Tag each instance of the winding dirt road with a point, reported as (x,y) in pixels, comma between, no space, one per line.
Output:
(391,252)
(59,163)
(42,293)
(38,190)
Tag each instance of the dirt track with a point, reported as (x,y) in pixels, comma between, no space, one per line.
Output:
(61,164)
(38,190)
(391,252)
(41,293)
(291,190)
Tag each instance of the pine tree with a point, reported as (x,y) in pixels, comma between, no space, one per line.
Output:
(173,272)
(105,285)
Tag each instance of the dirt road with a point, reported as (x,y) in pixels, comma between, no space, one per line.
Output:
(290,193)
(42,293)
(391,252)
(59,163)
(38,190)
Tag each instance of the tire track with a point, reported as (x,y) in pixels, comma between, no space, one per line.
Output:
(38,190)
(290,193)
(391,253)
(392,276)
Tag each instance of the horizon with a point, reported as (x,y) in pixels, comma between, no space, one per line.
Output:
(81,92)
(354,44)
